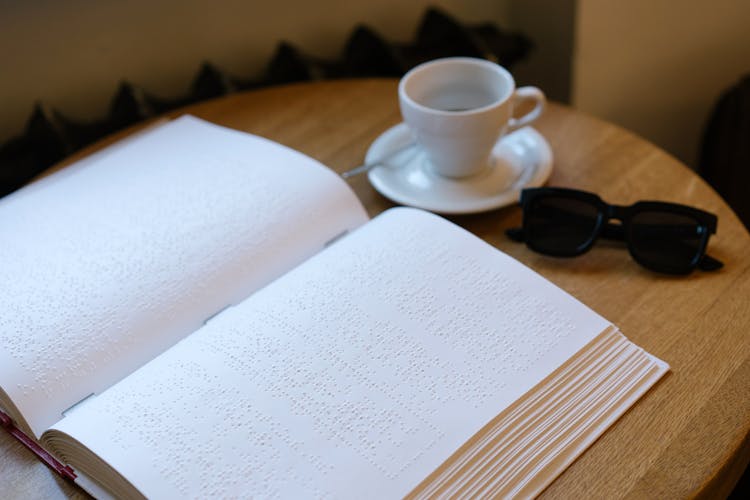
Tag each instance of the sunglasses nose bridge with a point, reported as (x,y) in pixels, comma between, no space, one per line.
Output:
(618,212)
(613,231)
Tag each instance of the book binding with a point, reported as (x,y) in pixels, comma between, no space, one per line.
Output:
(65,471)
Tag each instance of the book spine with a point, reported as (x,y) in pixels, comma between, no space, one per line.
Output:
(63,470)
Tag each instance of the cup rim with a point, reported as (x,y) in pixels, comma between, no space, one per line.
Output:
(466,60)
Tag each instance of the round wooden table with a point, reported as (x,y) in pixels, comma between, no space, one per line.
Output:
(689,435)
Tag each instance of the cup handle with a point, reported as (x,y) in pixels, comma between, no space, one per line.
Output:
(527,94)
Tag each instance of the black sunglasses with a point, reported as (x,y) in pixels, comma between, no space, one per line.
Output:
(664,237)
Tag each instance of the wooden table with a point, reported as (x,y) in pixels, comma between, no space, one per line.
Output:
(689,435)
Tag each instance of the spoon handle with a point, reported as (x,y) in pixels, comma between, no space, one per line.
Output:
(369,165)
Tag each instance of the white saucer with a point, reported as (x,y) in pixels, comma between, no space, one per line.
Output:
(520,159)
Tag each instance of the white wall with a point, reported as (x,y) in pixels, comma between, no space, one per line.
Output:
(71,54)
(658,66)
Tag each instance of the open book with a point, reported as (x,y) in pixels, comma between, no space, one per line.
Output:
(199,312)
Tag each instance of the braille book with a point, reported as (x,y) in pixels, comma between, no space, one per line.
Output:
(199,312)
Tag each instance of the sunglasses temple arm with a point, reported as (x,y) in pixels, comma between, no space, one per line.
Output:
(515,234)
(708,263)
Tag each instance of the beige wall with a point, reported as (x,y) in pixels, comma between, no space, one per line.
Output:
(72,54)
(653,66)
(657,66)
(550,24)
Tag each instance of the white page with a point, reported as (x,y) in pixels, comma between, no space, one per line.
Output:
(109,263)
(355,375)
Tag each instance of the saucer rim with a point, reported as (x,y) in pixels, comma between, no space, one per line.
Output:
(479,204)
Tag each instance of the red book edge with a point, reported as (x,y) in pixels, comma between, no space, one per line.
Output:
(65,471)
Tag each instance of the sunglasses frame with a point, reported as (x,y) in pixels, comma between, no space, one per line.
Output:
(603,228)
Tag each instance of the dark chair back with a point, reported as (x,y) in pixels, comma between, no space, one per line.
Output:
(725,153)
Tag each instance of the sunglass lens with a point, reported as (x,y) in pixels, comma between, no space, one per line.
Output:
(559,225)
(667,242)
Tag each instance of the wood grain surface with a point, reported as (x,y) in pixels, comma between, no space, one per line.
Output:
(689,436)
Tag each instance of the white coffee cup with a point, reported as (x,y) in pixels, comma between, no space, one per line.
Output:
(459,107)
